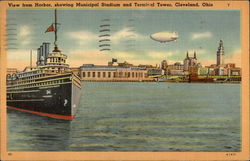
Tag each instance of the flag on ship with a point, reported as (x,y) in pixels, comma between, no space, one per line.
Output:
(50,29)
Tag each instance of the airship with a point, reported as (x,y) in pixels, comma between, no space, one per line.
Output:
(164,36)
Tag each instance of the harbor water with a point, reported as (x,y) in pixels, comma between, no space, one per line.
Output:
(124,116)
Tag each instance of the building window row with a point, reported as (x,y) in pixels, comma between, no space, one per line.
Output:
(112,74)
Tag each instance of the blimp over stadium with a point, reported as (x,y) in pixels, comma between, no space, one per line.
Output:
(165,36)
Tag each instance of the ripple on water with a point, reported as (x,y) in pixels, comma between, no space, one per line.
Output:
(138,117)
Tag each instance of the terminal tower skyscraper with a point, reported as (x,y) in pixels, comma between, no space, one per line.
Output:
(220,54)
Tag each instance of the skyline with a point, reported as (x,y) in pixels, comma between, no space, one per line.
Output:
(198,30)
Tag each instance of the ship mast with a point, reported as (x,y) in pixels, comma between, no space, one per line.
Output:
(30,58)
(55,31)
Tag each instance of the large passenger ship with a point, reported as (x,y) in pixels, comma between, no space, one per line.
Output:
(48,89)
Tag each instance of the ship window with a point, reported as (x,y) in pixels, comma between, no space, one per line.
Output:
(99,74)
(128,74)
(83,74)
(136,75)
(133,74)
(103,74)
(88,74)
(109,74)
(93,74)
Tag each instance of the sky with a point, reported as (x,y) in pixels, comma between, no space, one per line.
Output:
(130,30)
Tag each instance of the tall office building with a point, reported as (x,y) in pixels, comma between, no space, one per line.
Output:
(220,54)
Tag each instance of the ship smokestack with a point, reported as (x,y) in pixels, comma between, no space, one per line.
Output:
(46,50)
(42,54)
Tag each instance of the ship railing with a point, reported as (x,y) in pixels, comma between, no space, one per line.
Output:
(41,83)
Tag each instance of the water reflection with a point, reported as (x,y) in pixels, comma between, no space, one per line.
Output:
(33,132)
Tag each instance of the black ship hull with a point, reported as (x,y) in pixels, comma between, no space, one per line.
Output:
(56,96)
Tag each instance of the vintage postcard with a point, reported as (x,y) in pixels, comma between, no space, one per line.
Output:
(124,80)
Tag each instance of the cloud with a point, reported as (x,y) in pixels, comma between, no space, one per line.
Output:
(24,31)
(125,33)
(25,42)
(201,35)
(83,37)
(24,35)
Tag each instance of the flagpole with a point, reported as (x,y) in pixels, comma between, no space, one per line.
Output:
(55,28)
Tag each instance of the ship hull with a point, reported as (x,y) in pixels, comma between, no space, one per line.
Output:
(56,100)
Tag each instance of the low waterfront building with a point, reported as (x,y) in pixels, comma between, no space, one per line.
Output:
(193,69)
(203,71)
(91,72)
(176,72)
(175,66)
(175,69)
(229,69)
(155,72)
(234,71)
